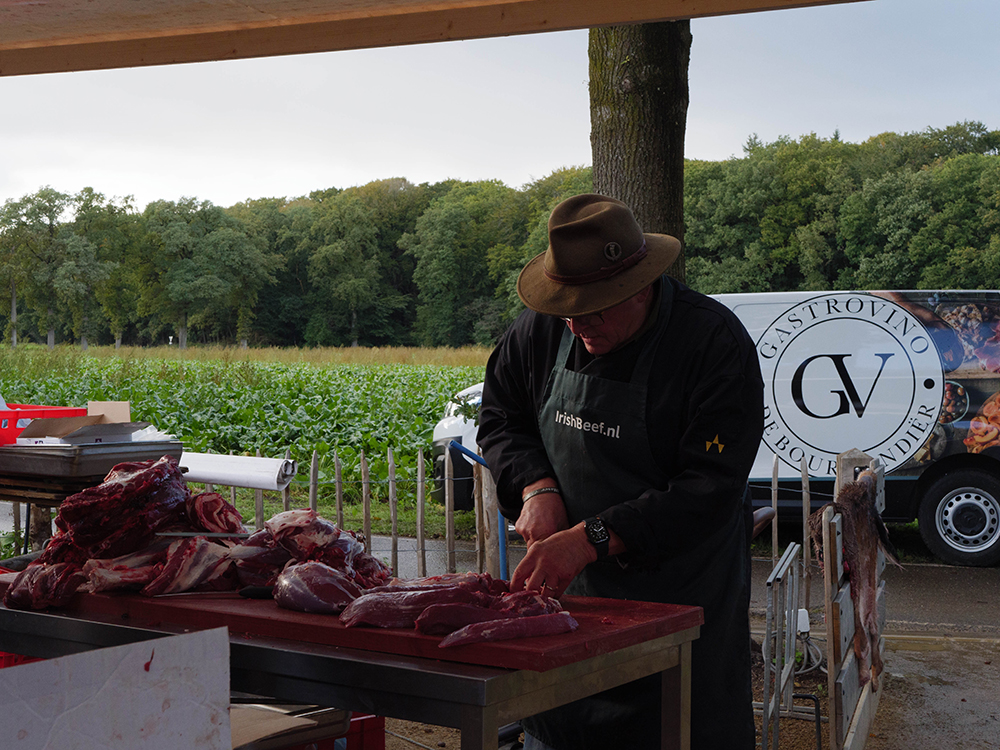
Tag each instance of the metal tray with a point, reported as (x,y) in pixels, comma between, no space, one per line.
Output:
(90,460)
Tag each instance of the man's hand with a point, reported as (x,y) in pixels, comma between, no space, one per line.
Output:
(541,516)
(551,563)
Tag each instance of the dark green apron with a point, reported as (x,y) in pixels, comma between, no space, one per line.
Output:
(595,434)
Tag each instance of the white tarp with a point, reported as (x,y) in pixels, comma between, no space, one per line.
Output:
(163,694)
(238,471)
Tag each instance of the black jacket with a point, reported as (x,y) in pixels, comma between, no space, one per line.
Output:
(704,415)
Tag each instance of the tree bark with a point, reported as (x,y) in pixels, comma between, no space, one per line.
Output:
(638,116)
(40,529)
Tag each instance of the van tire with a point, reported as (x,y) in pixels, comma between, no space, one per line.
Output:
(960,518)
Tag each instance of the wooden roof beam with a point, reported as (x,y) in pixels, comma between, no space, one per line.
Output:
(48,36)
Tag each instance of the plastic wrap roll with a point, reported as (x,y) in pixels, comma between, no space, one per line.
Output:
(238,471)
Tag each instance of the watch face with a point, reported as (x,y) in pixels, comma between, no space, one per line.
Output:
(596,531)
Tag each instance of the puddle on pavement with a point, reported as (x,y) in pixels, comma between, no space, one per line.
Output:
(893,645)
(925,679)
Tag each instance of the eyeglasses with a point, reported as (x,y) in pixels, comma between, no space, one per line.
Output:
(587,320)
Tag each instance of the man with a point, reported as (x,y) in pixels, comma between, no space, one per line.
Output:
(621,415)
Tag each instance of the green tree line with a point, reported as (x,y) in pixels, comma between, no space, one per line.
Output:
(392,263)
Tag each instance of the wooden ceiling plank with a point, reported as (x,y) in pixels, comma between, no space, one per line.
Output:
(387,25)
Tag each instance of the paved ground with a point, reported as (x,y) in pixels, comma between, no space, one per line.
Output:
(942,664)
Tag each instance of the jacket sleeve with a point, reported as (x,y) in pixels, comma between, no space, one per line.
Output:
(508,419)
(708,443)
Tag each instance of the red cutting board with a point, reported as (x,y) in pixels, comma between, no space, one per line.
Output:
(605,625)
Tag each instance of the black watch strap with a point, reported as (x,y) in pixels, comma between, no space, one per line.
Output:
(598,535)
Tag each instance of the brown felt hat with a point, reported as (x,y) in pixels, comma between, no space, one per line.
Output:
(598,257)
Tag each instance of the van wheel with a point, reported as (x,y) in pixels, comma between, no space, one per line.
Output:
(960,518)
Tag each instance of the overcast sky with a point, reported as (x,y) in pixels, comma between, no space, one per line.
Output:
(513,109)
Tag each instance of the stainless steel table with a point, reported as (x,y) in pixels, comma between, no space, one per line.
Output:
(475,699)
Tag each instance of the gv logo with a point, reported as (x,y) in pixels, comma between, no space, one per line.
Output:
(848,397)
(848,370)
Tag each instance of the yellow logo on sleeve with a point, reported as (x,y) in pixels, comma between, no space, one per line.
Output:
(713,441)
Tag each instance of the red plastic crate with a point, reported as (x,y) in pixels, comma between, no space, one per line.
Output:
(367,732)
(10,416)
(12,660)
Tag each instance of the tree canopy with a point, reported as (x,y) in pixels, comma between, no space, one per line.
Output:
(392,263)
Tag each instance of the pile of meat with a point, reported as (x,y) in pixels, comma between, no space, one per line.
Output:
(464,607)
(107,539)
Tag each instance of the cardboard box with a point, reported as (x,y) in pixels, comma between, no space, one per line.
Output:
(105,422)
(162,694)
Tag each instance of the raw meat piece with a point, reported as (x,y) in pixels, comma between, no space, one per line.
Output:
(473,581)
(369,571)
(258,559)
(308,536)
(128,571)
(314,587)
(400,609)
(516,627)
(122,514)
(125,480)
(191,562)
(526,604)
(62,548)
(441,619)
(863,535)
(210,511)
(42,585)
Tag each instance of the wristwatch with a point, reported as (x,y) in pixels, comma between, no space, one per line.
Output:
(597,534)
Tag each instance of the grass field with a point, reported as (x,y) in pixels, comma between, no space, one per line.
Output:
(336,402)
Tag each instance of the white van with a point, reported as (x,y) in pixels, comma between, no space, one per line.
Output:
(912,378)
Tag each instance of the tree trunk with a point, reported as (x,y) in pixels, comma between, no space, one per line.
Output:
(40,527)
(243,343)
(638,114)
(182,333)
(13,315)
(51,338)
(118,341)
(354,328)
(83,342)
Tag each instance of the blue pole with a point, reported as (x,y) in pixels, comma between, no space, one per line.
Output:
(501,521)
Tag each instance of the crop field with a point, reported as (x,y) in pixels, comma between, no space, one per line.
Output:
(241,402)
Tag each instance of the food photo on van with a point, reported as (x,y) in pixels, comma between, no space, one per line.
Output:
(911,378)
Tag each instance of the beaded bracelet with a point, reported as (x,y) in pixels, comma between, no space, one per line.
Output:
(539,491)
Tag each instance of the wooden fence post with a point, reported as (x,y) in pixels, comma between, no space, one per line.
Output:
(477,503)
(421,495)
(806,511)
(258,503)
(209,487)
(366,503)
(493,528)
(393,514)
(338,485)
(774,505)
(449,508)
(314,481)
(286,493)
(852,707)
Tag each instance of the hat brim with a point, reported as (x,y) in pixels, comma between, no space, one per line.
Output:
(548,297)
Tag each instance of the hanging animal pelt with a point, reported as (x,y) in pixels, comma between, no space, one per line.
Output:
(863,535)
